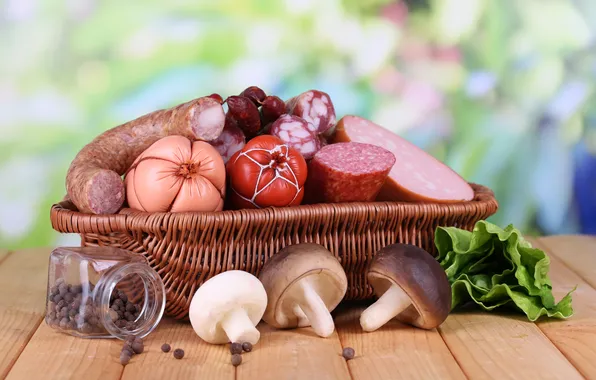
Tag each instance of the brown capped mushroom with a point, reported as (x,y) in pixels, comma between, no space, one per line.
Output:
(304,283)
(411,285)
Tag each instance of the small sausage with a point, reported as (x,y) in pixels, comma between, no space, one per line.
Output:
(271,109)
(255,94)
(316,108)
(245,114)
(294,131)
(347,172)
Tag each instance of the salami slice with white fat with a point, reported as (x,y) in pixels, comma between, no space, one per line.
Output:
(230,141)
(417,176)
(347,172)
(316,108)
(294,131)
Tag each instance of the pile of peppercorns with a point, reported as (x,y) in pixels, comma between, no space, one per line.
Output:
(71,307)
(124,313)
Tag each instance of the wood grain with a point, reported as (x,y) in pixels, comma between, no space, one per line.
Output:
(395,350)
(293,354)
(23,277)
(494,346)
(575,337)
(577,252)
(201,360)
(60,356)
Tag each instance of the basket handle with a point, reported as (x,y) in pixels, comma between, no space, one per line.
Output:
(66,218)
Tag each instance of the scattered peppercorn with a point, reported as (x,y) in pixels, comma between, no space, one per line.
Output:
(247,346)
(166,347)
(124,358)
(236,360)
(178,353)
(128,350)
(235,348)
(348,353)
(138,347)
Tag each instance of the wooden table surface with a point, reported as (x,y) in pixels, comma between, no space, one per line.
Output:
(475,345)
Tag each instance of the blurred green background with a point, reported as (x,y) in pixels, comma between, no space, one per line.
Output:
(502,91)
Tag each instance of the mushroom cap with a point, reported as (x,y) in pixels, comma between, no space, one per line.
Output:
(221,294)
(420,276)
(294,263)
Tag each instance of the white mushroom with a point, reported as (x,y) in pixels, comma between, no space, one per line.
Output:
(304,283)
(227,307)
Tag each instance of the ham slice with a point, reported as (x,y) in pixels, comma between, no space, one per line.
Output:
(416,176)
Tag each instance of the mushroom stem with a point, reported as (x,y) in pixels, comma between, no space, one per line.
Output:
(389,305)
(239,327)
(315,310)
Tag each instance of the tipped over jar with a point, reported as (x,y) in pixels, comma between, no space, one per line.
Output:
(101,292)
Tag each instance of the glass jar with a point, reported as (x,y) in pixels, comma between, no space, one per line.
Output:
(102,292)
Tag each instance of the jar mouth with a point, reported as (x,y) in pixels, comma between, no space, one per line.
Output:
(120,292)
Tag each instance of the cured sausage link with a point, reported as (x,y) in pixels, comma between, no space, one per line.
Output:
(94,180)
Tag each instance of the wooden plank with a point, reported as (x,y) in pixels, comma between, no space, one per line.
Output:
(293,354)
(500,346)
(395,350)
(3,255)
(576,336)
(577,252)
(201,360)
(60,356)
(23,276)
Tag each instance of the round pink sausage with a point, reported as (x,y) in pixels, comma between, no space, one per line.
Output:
(230,141)
(294,131)
(316,108)
(348,172)
(417,176)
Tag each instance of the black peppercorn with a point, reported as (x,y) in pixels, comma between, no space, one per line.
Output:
(247,346)
(178,353)
(166,347)
(236,360)
(348,353)
(235,348)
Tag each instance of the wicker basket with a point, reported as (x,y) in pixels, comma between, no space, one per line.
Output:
(187,249)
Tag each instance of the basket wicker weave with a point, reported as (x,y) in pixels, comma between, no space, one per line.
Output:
(187,249)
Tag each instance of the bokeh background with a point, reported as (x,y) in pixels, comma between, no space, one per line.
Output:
(502,91)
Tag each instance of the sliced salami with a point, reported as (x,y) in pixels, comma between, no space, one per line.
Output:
(417,176)
(348,172)
(316,108)
(230,141)
(294,131)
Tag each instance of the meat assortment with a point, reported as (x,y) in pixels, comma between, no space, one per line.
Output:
(348,172)
(261,151)
(418,176)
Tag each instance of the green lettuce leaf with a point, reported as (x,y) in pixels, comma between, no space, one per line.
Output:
(496,267)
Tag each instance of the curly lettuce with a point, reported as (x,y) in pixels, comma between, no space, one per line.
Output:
(496,267)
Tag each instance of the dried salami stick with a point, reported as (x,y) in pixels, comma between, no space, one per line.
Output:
(94,179)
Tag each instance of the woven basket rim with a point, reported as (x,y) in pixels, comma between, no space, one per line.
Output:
(79,222)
